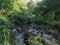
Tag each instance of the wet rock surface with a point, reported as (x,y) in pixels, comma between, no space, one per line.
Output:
(20,35)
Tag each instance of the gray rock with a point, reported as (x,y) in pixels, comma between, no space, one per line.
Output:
(47,36)
(33,31)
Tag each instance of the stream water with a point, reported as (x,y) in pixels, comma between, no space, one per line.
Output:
(20,39)
(19,35)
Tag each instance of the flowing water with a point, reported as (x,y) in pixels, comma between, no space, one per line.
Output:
(19,35)
(20,39)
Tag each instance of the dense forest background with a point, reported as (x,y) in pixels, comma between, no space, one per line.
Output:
(44,14)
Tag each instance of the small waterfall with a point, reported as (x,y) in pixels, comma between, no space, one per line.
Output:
(20,39)
(30,30)
(18,36)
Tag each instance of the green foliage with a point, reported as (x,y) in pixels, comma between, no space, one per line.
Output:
(4,36)
(51,18)
(4,31)
(20,12)
(35,40)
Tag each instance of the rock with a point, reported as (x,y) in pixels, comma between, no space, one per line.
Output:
(19,30)
(47,36)
(33,31)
